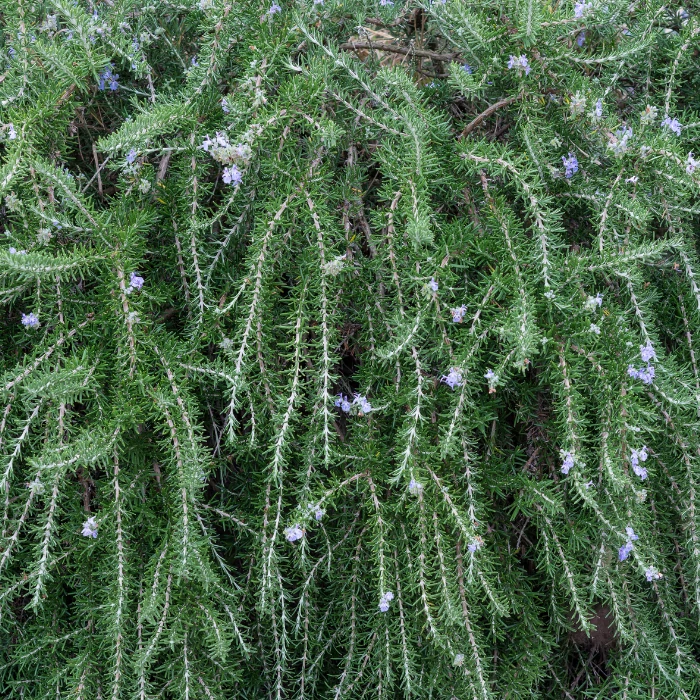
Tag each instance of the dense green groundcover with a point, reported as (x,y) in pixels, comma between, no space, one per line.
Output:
(349,349)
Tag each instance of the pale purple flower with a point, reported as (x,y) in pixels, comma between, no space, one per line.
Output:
(647,352)
(570,164)
(293,533)
(11,133)
(136,282)
(385,600)
(343,403)
(581,38)
(274,9)
(653,574)
(318,511)
(647,375)
(458,660)
(131,156)
(225,106)
(30,320)
(386,3)
(476,544)
(467,68)
(580,8)
(625,550)
(364,405)
(633,180)
(520,63)
(672,125)
(567,461)
(433,284)
(232,175)
(598,109)
(107,76)
(415,488)
(90,528)
(691,164)
(453,378)
(631,536)
(458,314)
(636,457)
(595,329)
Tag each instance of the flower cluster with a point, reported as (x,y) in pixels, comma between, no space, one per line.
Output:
(317,510)
(636,457)
(581,8)
(519,63)
(135,282)
(649,115)
(570,165)
(644,374)
(626,548)
(360,402)
(593,303)
(453,378)
(415,488)
(653,574)
(90,528)
(577,104)
(293,533)
(334,267)
(229,155)
(672,125)
(492,379)
(567,461)
(30,320)
(619,141)
(458,314)
(598,109)
(385,600)
(108,76)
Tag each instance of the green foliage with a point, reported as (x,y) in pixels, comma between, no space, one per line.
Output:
(349,350)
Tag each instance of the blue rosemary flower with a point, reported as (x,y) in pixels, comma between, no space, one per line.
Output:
(90,528)
(385,600)
(672,125)
(519,63)
(636,457)
(567,461)
(453,378)
(293,533)
(415,488)
(570,164)
(30,320)
(647,352)
(232,175)
(343,403)
(458,314)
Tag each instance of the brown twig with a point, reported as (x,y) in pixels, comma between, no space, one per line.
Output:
(355,45)
(487,113)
